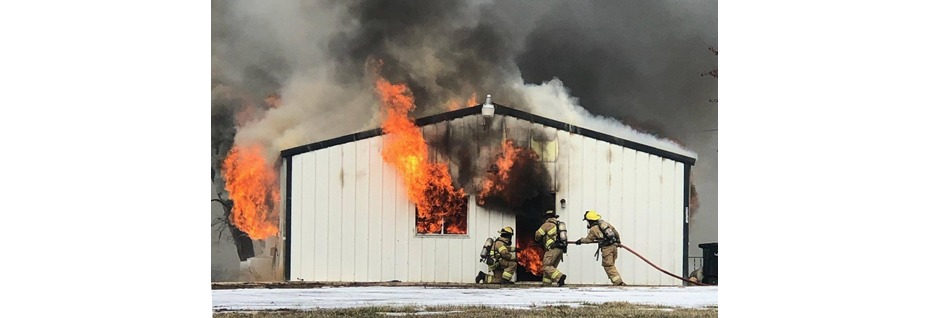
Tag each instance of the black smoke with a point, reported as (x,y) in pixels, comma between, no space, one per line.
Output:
(426,45)
(639,62)
(636,61)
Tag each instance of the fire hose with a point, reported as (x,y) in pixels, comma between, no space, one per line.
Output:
(660,269)
(644,259)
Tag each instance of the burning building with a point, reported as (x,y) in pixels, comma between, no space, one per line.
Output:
(414,200)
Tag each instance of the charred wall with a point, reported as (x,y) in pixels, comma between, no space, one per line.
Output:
(473,147)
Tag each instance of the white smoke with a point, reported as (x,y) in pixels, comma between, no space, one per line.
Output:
(553,100)
(287,42)
(312,109)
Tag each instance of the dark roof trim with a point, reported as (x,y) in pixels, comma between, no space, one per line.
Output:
(592,134)
(498,110)
(287,218)
(458,113)
(429,120)
(685,224)
(287,153)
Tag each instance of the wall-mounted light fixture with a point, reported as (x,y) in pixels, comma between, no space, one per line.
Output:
(563,203)
(488,109)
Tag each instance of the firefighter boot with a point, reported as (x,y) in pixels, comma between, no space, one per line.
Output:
(562,280)
(481,277)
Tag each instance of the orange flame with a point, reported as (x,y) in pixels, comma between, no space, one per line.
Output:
(498,181)
(530,257)
(454,104)
(429,186)
(253,187)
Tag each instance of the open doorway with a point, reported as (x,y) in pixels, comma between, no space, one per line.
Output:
(529,218)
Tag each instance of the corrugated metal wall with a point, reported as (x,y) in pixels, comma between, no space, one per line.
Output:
(639,193)
(352,220)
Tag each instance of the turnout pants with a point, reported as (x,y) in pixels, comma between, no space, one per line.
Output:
(550,264)
(504,271)
(608,260)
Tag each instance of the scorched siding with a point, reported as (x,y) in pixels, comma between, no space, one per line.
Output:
(351,219)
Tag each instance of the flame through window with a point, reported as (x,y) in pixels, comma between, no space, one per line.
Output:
(440,207)
(453,221)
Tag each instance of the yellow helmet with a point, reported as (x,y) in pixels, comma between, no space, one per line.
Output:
(591,216)
(506,230)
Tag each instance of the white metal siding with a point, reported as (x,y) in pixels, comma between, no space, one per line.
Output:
(387,218)
(376,203)
(589,192)
(362,185)
(352,220)
(320,220)
(639,193)
(629,266)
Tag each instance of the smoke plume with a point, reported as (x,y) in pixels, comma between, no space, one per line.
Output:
(633,67)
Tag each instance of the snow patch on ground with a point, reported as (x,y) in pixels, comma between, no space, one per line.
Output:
(519,298)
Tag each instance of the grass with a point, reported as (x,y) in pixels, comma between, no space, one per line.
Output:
(614,309)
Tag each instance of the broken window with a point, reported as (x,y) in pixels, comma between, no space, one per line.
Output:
(449,219)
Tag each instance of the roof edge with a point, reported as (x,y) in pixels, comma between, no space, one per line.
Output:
(499,110)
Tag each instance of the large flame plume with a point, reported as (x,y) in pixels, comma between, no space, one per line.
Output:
(252,184)
(440,207)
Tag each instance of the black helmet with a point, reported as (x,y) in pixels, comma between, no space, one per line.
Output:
(550,213)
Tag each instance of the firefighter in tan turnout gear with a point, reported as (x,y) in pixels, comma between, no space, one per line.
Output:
(607,239)
(555,242)
(501,259)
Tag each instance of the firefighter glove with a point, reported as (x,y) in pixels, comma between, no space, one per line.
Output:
(578,242)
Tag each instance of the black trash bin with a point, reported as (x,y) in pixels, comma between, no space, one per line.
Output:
(710,263)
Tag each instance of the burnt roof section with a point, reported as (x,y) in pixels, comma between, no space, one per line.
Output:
(498,110)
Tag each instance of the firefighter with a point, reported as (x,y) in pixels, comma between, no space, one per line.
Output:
(547,235)
(505,257)
(607,238)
